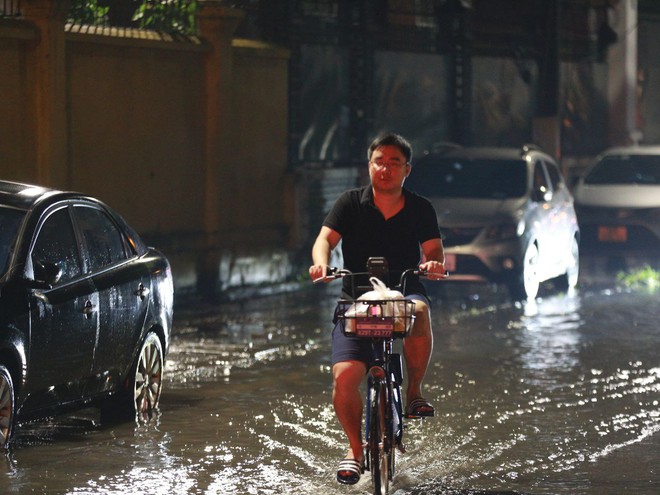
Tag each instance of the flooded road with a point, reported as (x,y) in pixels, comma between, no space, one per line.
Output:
(561,397)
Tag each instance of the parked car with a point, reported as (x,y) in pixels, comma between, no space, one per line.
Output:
(506,216)
(85,308)
(618,202)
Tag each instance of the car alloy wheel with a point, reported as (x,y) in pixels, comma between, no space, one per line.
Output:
(147,382)
(530,271)
(6,406)
(573,269)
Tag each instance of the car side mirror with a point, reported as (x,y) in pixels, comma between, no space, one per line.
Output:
(47,272)
(575,180)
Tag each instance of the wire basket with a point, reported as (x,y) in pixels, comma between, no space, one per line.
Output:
(382,318)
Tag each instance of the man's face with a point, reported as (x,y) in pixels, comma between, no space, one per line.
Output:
(388,169)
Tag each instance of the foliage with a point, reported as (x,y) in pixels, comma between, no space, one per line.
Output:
(88,12)
(176,15)
(642,278)
(173,16)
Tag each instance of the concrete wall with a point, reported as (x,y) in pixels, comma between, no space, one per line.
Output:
(186,138)
(257,179)
(136,121)
(17,136)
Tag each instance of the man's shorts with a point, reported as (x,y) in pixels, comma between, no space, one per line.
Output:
(355,348)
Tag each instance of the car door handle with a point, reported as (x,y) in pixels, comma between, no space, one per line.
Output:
(88,309)
(142,291)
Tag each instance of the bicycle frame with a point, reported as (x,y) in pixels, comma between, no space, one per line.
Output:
(384,416)
(384,410)
(379,320)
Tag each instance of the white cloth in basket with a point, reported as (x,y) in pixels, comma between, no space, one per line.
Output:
(380,292)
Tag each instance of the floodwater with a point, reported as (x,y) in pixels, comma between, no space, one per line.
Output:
(561,397)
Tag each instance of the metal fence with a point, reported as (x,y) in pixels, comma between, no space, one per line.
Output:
(179,15)
(10,8)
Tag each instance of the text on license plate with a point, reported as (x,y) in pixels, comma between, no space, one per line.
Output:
(612,234)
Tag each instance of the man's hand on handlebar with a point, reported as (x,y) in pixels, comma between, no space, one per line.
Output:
(433,270)
(321,273)
(317,272)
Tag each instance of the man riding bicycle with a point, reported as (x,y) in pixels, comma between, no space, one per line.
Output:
(380,220)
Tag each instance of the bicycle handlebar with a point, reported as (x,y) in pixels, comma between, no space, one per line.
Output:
(335,273)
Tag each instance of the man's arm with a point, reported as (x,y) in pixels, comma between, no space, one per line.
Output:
(433,257)
(325,242)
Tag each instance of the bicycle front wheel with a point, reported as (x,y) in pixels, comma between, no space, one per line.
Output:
(379,445)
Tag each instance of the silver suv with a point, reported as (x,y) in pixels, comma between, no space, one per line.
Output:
(506,216)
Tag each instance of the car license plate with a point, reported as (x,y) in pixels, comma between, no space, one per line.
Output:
(612,234)
(370,326)
(450,262)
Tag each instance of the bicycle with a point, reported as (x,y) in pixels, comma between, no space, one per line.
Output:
(382,321)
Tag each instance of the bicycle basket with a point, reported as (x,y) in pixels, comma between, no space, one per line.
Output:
(384,318)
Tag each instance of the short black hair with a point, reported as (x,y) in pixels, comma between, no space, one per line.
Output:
(391,139)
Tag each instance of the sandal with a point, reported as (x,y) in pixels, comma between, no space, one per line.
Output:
(349,471)
(419,408)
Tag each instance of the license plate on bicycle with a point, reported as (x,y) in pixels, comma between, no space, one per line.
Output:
(370,326)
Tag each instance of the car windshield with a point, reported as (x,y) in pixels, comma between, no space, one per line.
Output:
(462,178)
(626,169)
(10,219)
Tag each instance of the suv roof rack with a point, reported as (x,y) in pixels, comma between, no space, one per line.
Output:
(527,147)
(442,146)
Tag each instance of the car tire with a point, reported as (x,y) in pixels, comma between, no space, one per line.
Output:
(570,279)
(147,377)
(140,395)
(524,285)
(6,407)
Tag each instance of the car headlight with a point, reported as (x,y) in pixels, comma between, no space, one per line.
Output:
(505,231)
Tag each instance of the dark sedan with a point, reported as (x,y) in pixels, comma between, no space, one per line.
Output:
(85,308)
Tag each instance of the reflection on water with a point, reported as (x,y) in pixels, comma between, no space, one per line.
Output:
(560,397)
(564,384)
(549,332)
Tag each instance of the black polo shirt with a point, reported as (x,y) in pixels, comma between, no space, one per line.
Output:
(365,233)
